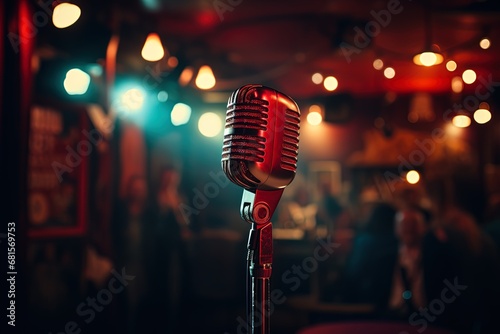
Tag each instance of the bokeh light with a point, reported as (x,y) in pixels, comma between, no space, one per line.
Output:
(186,76)
(378,64)
(451,65)
(457,85)
(152,49)
(461,121)
(162,96)
(469,76)
(181,113)
(76,82)
(428,58)
(317,78)
(210,124)
(314,116)
(172,61)
(485,43)
(482,116)
(205,78)
(331,83)
(412,177)
(65,14)
(132,100)
(389,73)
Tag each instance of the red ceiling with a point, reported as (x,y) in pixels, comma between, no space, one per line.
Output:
(282,43)
(286,42)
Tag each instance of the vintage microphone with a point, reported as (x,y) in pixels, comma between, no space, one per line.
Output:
(259,153)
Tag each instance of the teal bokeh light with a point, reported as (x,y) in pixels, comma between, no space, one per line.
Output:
(76,82)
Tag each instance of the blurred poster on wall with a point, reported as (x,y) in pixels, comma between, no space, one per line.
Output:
(57,169)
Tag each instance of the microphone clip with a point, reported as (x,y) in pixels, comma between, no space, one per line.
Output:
(258,207)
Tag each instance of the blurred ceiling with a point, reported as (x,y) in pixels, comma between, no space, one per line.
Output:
(282,43)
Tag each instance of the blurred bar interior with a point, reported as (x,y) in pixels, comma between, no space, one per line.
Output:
(111,131)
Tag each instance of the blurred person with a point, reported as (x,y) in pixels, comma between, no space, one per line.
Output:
(492,226)
(409,196)
(408,292)
(170,258)
(457,252)
(492,230)
(132,231)
(329,208)
(299,212)
(369,268)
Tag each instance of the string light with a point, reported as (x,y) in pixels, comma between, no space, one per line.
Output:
(389,73)
(485,43)
(451,65)
(317,78)
(469,76)
(331,83)
(378,64)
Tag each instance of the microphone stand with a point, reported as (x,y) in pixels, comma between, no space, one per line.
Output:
(257,208)
(260,252)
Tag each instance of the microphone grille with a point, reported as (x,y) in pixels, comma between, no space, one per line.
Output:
(245,121)
(290,147)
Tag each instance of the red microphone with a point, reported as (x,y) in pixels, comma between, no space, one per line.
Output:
(261,142)
(259,153)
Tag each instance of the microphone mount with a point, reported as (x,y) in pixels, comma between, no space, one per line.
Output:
(257,208)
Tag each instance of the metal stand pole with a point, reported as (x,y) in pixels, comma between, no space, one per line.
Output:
(260,247)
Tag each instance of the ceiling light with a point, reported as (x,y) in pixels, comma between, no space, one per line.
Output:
(205,78)
(152,49)
(428,58)
(431,54)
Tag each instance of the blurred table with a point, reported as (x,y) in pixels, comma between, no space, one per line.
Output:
(370,328)
(309,304)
